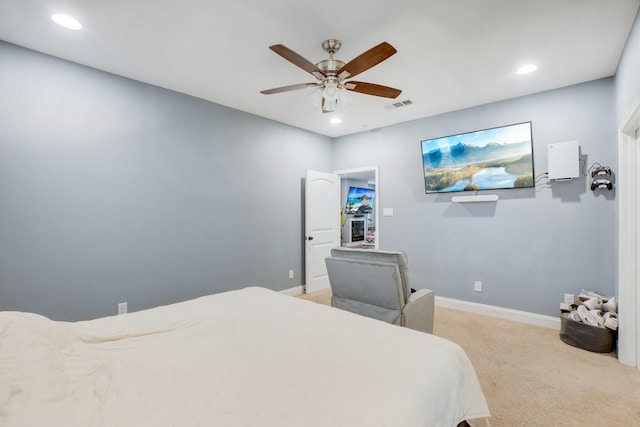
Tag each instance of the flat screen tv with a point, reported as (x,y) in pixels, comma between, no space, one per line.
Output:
(360,200)
(489,159)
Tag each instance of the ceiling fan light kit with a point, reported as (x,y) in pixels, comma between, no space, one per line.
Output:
(332,73)
(330,91)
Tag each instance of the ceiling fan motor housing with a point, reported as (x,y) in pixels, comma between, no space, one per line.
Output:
(330,66)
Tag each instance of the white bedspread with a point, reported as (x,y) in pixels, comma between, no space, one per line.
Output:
(251,357)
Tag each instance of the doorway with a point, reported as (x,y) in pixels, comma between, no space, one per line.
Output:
(322,224)
(359,207)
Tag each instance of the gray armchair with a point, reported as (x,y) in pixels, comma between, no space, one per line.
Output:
(375,283)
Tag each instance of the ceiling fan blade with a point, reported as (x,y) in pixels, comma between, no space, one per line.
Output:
(373,89)
(363,62)
(298,60)
(288,88)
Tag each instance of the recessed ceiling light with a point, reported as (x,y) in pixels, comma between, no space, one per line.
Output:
(66,21)
(526,69)
(335,120)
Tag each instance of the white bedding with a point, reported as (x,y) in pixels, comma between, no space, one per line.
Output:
(251,357)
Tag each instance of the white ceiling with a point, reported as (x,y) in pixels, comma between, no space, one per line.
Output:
(451,54)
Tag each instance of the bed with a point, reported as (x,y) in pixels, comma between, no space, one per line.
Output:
(251,357)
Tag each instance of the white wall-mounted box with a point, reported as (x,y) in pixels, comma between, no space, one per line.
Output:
(563,160)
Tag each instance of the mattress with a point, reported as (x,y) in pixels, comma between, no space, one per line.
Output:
(251,357)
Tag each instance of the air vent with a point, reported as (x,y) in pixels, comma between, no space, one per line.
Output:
(399,104)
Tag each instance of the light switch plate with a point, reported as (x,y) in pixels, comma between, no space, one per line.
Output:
(122,308)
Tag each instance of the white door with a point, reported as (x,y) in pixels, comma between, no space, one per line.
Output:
(322,226)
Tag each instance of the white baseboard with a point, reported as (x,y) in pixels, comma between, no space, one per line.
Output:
(295,291)
(500,312)
(477,308)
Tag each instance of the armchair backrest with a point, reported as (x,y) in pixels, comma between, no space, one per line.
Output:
(378,255)
(369,282)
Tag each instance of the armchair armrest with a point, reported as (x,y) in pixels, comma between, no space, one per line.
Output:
(419,310)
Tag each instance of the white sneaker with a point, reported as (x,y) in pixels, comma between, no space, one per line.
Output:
(597,315)
(585,295)
(593,303)
(565,308)
(574,316)
(611,320)
(611,305)
(587,316)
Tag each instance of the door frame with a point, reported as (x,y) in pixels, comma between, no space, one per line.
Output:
(629,238)
(376,201)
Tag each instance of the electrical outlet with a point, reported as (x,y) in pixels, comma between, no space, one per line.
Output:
(568,299)
(477,286)
(122,308)
(290,274)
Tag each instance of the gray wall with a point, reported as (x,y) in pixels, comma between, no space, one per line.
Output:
(628,74)
(531,246)
(112,190)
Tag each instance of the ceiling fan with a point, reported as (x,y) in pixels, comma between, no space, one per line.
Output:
(332,73)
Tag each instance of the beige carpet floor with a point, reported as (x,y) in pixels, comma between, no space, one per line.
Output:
(531,378)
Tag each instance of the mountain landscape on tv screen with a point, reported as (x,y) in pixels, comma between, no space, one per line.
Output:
(471,167)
